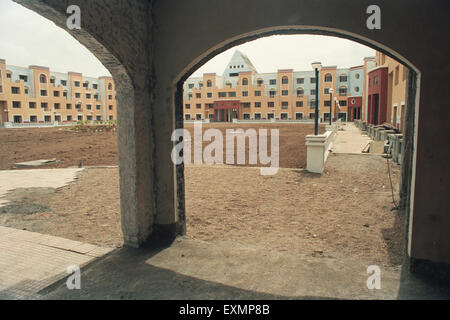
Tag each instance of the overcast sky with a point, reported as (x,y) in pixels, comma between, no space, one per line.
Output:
(29,39)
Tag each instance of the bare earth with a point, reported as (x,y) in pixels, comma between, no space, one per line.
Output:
(344,213)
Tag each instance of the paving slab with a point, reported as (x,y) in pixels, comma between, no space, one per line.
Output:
(35,178)
(350,140)
(30,262)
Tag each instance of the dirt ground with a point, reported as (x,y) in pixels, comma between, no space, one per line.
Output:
(100,148)
(346,212)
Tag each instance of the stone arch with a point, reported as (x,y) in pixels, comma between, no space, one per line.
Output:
(413,93)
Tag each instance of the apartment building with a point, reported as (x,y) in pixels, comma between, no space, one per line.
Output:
(243,93)
(386,92)
(38,95)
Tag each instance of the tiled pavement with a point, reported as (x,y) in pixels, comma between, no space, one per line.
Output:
(350,140)
(30,262)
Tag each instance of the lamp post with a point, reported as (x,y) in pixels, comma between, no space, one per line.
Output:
(331,102)
(316,66)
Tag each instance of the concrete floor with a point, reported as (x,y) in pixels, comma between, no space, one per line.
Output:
(192,269)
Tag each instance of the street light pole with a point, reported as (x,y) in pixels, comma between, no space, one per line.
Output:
(331,102)
(316,66)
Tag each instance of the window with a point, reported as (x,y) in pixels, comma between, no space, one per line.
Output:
(52,80)
(285,80)
(326,91)
(56,93)
(234,74)
(98,107)
(98,118)
(88,107)
(42,78)
(78,106)
(343,103)
(76,83)
(110,107)
(260,82)
(222,94)
(88,96)
(209,83)
(312,92)
(404,73)
(300,80)
(95,86)
(273,82)
(312,104)
(356,89)
(8,75)
(209,94)
(257,116)
(245,93)
(86,84)
(375,80)
(272,93)
(246,116)
(357,76)
(270,116)
(80,118)
(57,106)
(232,94)
(343,78)
(299,104)
(96,97)
(200,84)
(15,90)
(343,91)
(300,92)
(69,118)
(298,116)
(33,119)
(43,93)
(65,94)
(284,116)
(89,118)
(64,83)
(32,105)
(285,92)
(26,90)
(68,106)
(190,85)
(327,103)
(245,82)
(44,105)
(257,104)
(110,97)
(397,71)
(198,95)
(188,106)
(24,78)
(77,95)
(328,78)
(190,96)
(198,116)
(312,80)
(16,104)
(246,104)
(17,119)
(187,117)
(198,105)
(271,104)
(257,93)
(110,86)
(284,104)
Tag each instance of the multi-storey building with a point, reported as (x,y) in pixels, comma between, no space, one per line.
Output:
(386,92)
(243,93)
(38,95)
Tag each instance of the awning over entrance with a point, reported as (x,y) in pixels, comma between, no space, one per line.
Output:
(226,110)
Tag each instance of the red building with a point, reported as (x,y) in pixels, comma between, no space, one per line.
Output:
(377,96)
(354,105)
(226,110)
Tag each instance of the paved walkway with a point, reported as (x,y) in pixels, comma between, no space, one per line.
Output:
(30,262)
(35,178)
(350,140)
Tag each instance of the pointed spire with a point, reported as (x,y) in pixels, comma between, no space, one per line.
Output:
(239,63)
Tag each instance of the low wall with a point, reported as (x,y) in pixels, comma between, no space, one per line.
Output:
(318,148)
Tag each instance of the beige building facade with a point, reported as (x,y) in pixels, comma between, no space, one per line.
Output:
(36,95)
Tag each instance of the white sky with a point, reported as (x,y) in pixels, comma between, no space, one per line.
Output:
(27,38)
